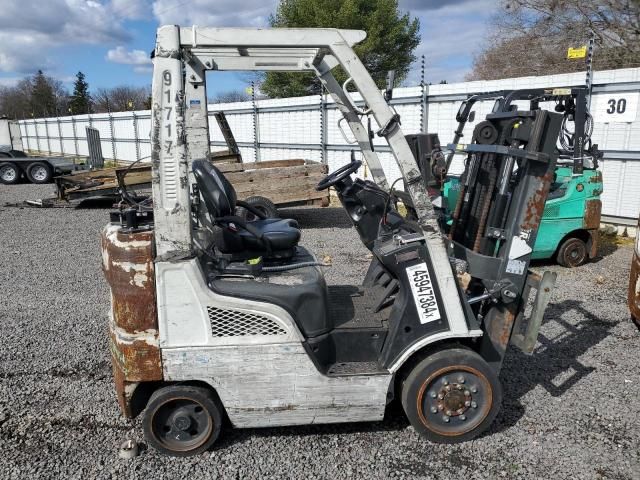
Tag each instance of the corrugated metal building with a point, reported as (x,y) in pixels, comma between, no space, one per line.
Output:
(306,127)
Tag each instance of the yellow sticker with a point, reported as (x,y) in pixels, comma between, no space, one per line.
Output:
(579,52)
(561,91)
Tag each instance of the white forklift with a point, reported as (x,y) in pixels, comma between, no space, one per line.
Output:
(216,319)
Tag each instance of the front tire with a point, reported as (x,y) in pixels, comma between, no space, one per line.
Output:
(182,420)
(451,396)
(572,253)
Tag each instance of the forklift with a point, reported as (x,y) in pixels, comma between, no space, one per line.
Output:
(570,225)
(215,319)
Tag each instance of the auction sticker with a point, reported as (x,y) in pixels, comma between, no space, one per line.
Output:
(423,293)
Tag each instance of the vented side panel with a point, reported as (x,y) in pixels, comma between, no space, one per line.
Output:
(234,323)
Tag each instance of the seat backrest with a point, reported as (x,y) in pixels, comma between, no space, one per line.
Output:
(218,194)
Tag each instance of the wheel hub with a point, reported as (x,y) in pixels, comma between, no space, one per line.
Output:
(182,422)
(39,173)
(454,399)
(8,174)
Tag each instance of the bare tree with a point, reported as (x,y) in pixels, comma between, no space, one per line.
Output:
(120,99)
(35,96)
(531,37)
(230,97)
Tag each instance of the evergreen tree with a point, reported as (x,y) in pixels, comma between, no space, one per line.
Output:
(80,100)
(43,99)
(391,39)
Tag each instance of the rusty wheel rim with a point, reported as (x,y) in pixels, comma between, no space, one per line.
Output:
(575,253)
(454,400)
(181,424)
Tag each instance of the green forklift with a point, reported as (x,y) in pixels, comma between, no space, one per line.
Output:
(569,228)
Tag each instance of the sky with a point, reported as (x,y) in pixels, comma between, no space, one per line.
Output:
(110,40)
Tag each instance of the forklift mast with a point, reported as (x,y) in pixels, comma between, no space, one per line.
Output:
(571,101)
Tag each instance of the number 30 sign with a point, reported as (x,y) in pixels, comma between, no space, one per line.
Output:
(616,107)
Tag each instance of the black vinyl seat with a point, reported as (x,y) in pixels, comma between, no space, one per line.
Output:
(267,237)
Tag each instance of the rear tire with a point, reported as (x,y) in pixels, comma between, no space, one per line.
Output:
(39,172)
(572,253)
(451,396)
(182,420)
(9,173)
(262,204)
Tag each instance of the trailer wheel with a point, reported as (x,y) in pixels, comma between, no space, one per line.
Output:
(39,172)
(572,253)
(262,204)
(9,173)
(182,420)
(451,396)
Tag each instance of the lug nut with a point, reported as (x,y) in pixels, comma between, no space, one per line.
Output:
(474,405)
(445,381)
(474,390)
(462,417)
(460,379)
(467,403)
(433,394)
(448,413)
(445,419)
(448,388)
(434,410)
(467,393)
(440,396)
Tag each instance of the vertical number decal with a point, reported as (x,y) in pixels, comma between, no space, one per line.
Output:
(166,81)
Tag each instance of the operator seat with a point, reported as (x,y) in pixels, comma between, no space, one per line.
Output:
(271,238)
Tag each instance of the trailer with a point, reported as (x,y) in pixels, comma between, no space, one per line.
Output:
(16,165)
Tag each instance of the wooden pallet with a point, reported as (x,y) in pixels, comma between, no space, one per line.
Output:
(284,182)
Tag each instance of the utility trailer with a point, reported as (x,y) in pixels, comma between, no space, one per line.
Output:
(217,318)
(15,164)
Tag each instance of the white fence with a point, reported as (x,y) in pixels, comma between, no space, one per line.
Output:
(306,127)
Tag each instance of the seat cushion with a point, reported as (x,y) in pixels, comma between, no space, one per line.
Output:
(282,234)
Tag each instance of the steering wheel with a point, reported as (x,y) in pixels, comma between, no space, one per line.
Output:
(339,175)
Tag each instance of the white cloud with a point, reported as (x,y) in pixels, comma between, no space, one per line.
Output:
(9,81)
(214,13)
(31,29)
(129,57)
(143,69)
(451,33)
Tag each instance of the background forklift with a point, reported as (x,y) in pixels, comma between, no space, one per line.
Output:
(571,221)
(216,317)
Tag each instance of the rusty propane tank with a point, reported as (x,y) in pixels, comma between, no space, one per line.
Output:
(127,262)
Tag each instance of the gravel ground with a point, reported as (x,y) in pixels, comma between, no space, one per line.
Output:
(570,411)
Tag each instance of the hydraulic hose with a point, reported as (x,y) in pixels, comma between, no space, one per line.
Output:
(283,268)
